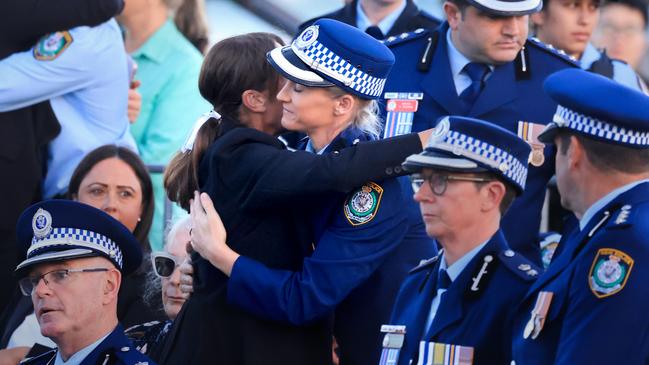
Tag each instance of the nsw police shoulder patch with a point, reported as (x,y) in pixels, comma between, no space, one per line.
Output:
(361,205)
(52,45)
(609,272)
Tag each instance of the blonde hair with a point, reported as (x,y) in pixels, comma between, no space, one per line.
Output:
(366,118)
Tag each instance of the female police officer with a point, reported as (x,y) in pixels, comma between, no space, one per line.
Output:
(258,188)
(362,255)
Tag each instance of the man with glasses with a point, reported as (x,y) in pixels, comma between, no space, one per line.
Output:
(75,258)
(456,305)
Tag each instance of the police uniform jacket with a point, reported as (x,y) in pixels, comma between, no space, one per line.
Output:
(264,195)
(480,318)
(410,19)
(512,98)
(598,312)
(357,267)
(114,349)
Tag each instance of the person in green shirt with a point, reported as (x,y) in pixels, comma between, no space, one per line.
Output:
(168,64)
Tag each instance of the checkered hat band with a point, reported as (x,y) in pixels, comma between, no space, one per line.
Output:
(77,237)
(477,150)
(568,118)
(321,59)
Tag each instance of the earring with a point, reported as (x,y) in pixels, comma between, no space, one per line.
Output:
(139,219)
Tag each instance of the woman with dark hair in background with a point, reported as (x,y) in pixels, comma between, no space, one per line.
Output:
(257,185)
(115,180)
(160,36)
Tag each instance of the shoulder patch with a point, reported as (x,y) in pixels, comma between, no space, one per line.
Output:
(609,272)
(51,46)
(548,48)
(405,37)
(361,205)
(519,265)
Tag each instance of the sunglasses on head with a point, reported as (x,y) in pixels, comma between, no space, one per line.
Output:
(164,264)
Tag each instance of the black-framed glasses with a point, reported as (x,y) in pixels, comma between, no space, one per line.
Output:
(164,264)
(439,182)
(52,278)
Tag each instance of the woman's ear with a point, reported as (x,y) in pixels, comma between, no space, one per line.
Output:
(254,100)
(344,104)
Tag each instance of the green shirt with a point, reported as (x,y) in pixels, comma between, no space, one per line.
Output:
(168,68)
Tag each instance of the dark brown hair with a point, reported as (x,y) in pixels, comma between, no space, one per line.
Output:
(231,67)
(607,156)
(191,21)
(102,153)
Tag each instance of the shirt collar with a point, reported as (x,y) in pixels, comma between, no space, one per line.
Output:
(590,55)
(362,22)
(455,58)
(458,266)
(156,47)
(590,212)
(309,148)
(80,355)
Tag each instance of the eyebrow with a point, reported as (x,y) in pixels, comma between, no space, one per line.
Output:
(118,186)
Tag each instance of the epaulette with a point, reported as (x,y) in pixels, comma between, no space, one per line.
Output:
(425,263)
(129,355)
(548,48)
(622,218)
(405,37)
(519,265)
(39,358)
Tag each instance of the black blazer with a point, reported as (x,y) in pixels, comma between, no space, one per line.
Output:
(264,194)
(411,19)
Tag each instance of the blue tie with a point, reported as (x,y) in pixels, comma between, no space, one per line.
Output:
(477,72)
(443,280)
(375,32)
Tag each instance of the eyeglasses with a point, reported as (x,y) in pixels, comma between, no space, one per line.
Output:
(52,279)
(439,182)
(164,264)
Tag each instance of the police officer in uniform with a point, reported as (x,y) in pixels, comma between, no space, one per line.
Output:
(568,26)
(589,307)
(405,17)
(456,306)
(480,64)
(75,256)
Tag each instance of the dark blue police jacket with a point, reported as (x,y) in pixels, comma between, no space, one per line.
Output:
(513,93)
(598,313)
(266,197)
(357,268)
(481,319)
(114,349)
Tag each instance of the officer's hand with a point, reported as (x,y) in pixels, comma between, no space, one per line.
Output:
(134,102)
(13,356)
(187,277)
(208,234)
(424,136)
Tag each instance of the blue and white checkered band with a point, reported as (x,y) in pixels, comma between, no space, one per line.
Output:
(42,223)
(78,238)
(472,148)
(568,118)
(323,60)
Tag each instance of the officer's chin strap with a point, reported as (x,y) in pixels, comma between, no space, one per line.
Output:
(189,143)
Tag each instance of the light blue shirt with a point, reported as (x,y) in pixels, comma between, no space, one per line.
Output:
(622,72)
(590,212)
(309,148)
(453,272)
(87,85)
(362,22)
(457,61)
(80,355)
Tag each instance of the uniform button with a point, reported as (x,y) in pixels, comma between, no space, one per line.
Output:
(512,363)
(524,267)
(397,170)
(509,253)
(125,349)
(388,170)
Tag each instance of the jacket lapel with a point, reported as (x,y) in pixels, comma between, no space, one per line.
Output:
(494,94)
(440,74)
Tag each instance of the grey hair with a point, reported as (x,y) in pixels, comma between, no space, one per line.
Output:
(152,295)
